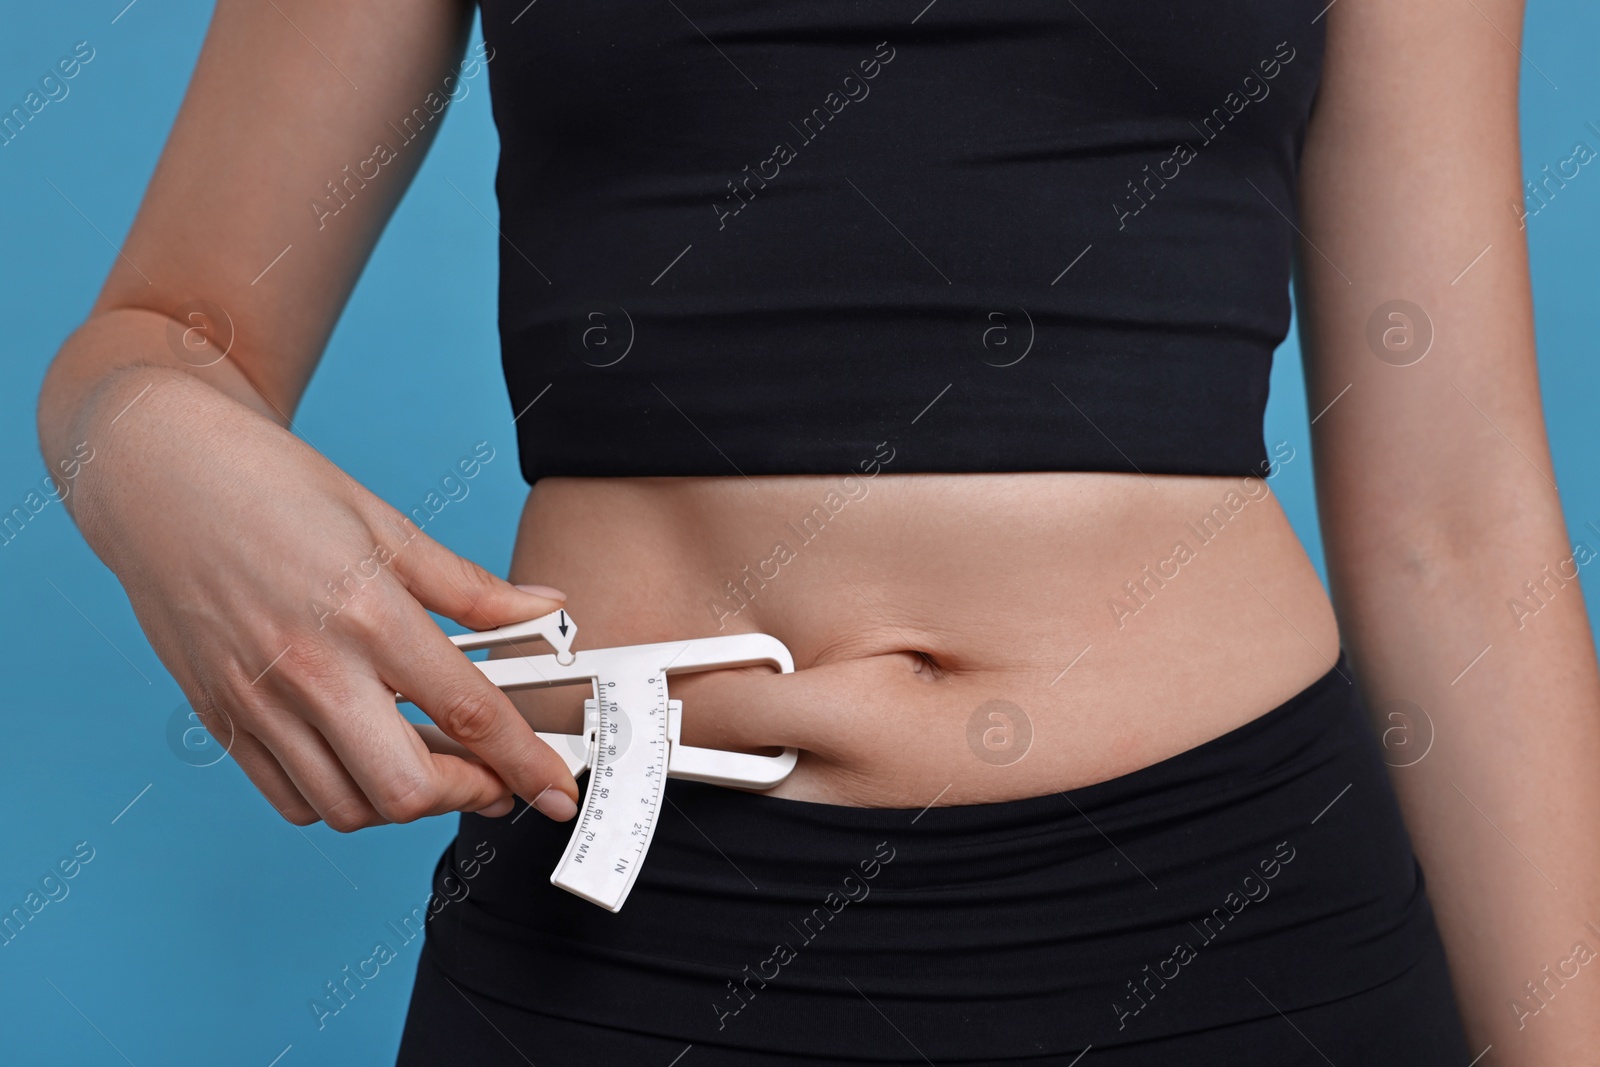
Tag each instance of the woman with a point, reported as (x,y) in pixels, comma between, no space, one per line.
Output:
(955,389)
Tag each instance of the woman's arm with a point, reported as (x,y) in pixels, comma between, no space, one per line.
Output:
(1438,503)
(286,600)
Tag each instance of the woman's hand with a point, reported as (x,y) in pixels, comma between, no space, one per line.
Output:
(291,604)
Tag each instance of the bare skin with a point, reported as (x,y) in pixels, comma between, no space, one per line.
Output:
(927,596)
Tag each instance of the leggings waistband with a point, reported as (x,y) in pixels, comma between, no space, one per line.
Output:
(1126,910)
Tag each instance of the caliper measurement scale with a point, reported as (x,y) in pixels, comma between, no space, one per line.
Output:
(626,779)
(630,742)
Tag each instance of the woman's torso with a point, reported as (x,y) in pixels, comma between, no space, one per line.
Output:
(957,638)
(1000,242)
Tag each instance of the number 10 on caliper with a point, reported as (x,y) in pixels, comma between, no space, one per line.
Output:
(629,743)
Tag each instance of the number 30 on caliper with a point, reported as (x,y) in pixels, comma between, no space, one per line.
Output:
(629,743)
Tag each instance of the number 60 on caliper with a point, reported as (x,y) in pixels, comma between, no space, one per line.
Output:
(629,743)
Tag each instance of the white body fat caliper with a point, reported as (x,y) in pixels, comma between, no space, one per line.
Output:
(629,743)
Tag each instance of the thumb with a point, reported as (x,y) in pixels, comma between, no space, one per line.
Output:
(459,589)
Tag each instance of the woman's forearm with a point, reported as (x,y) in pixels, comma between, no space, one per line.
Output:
(1495,755)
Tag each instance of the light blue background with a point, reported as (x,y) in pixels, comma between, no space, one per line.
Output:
(205,923)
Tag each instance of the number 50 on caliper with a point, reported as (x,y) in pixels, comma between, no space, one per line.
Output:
(629,743)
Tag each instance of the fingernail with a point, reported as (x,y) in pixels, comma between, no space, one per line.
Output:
(544,591)
(556,804)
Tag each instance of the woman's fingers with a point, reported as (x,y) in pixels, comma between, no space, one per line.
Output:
(394,769)
(439,679)
(310,762)
(333,726)
(441,744)
(459,589)
(268,776)
(306,778)
(477,720)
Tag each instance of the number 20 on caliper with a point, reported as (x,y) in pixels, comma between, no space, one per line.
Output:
(629,743)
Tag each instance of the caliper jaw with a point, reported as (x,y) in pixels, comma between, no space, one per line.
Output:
(712,765)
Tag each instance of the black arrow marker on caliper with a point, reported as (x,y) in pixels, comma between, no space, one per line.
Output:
(563,626)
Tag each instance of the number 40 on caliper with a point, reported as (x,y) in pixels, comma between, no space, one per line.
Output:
(629,743)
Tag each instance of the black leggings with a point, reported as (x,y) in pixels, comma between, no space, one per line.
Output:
(1254,899)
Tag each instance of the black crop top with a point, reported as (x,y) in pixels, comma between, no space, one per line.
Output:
(785,236)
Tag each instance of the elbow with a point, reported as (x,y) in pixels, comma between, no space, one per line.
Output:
(1418,543)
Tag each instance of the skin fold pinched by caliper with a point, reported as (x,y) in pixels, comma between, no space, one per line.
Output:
(630,742)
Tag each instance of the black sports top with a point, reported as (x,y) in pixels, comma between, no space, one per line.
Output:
(768,236)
